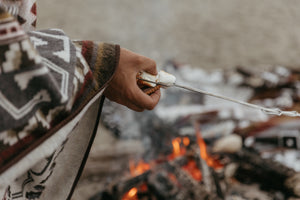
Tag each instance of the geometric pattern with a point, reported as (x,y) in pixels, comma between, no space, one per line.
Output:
(53,69)
(22,68)
(44,80)
(32,81)
(23,10)
(63,54)
(10,30)
(27,15)
(64,85)
(19,112)
(12,58)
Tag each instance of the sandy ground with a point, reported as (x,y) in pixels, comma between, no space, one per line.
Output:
(203,33)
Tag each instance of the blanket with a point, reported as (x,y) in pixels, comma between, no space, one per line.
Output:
(48,83)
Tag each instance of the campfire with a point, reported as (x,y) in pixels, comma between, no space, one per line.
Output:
(201,148)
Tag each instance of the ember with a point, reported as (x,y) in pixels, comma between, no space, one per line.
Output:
(186,141)
(193,169)
(131,195)
(138,169)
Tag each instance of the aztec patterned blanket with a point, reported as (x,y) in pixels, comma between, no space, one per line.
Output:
(47,85)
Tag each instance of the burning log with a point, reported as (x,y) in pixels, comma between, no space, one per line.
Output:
(116,190)
(270,175)
(293,184)
(184,178)
(209,177)
(152,178)
(162,186)
(207,165)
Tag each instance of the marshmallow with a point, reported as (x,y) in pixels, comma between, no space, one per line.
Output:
(165,78)
(162,77)
(148,77)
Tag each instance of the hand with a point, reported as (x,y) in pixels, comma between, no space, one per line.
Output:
(123,87)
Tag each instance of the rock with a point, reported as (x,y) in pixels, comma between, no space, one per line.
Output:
(228,144)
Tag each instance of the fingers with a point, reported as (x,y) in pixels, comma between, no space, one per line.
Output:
(134,107)
(155,99)
(143,100)
(148,65)
(123,88)
(139,97)
(121,101)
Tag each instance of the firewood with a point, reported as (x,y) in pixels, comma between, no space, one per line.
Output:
(271,175)
(293,184)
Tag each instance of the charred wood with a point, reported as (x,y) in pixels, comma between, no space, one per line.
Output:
(293,184)
(116,190)
(271,175)
(210,178)
(196,190)
(161,186)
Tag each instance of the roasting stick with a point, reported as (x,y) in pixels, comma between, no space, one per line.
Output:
(168,80)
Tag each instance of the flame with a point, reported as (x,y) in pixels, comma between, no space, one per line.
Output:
(192,168)
(186,141)
(176,146)
(177,149)
(203,152)
(131,194)
(172,177)
(138,169)
(143,188)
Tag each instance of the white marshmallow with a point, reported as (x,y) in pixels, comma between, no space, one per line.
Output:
(162,77)
(148,77)
(166,78)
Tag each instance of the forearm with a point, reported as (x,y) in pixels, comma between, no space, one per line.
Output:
(102,59)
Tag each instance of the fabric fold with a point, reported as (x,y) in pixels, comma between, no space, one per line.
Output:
(47,84)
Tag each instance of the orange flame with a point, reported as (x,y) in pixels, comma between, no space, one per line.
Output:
(177,149)
(143,188)
(172,177)
(131,194)
(138,169)
(203,152)
(192,168)
(176,146)
(186,141)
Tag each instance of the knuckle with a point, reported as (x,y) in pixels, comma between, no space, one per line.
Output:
(140,110)
(152,62)
(139,60)
(150,106)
